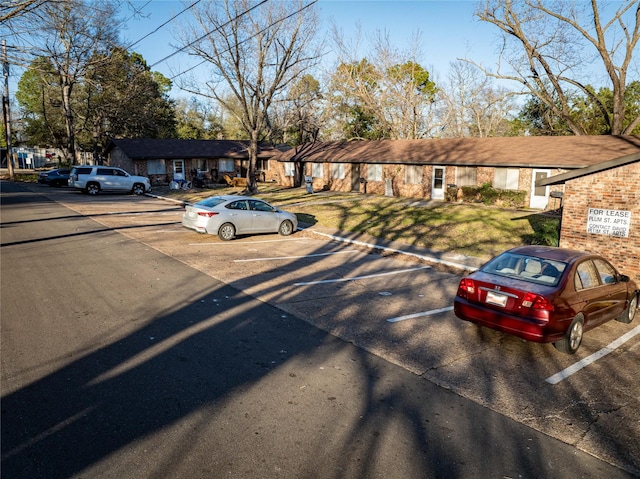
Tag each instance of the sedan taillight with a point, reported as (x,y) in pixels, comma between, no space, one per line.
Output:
(466,288)
(535,301)
(208,214)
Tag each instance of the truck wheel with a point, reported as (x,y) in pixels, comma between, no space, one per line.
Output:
(93,188)
(138,189)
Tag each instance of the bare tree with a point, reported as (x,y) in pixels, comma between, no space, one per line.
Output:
(12,9)
(256,50)
(296,119)
(407,91)
(475,107)
(387,88)
(73,35)
(547,45)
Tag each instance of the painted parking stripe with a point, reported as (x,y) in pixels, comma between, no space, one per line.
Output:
(296,257)
(393,250)
(355,278)
(236,243)
(574,368)
(420,315)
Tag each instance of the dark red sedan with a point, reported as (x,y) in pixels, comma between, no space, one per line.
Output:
(546,294)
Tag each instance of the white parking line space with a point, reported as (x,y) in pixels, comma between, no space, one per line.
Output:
(351,295)
(611,347)
(393,250)
(356,278)
(420,315)
(138,213)
(236,243)
(274,258)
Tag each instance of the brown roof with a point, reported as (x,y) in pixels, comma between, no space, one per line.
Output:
(152,148)
(566,152)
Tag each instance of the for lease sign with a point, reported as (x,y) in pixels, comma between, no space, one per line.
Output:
(609,222)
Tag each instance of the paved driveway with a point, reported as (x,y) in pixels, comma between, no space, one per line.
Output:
(399,307)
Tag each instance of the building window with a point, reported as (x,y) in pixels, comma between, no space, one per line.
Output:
(317,170)
(374,172)
(413,174)
(337,171)
(226,165)
(201,164)
(467,175)
(263,165)
(289,168)
(156,167)
(506,178)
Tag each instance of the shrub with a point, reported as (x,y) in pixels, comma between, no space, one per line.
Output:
(451,195)
(489,195)
(545,230)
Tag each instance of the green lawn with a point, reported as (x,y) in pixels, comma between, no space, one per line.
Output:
(470,229)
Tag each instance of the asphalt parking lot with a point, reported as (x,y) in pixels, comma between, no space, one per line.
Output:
(399,307)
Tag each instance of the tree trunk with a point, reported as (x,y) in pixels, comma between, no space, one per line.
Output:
(96,136)
(69,123)
(7,123)
(252,181)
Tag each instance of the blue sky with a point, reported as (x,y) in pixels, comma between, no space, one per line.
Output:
(448,30)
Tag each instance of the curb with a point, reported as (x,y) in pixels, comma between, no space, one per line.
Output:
(179,202)
(424,257)
(431,258)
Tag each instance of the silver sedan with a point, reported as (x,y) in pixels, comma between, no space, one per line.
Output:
(228,216)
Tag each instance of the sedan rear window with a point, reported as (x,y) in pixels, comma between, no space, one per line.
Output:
(527,268)
(210,202)
(586,276)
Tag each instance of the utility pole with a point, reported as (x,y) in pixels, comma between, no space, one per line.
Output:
(6,111)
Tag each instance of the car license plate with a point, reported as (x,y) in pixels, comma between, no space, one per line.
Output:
(495,298)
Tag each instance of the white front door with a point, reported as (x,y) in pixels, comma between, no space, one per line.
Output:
(539,194)
(178,170)
(437,183)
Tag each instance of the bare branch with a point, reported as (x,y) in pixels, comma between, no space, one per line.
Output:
(253,55)
(546,45)
(13,9)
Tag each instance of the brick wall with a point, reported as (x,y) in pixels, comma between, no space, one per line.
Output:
(614,189)
(118,159)
(396,173)
(484,175)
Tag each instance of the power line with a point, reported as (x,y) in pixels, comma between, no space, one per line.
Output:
(135,12)
(243,41)
(209,33)
(182,49)
(165,23)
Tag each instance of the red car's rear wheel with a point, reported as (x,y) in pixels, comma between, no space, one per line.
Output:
(572,338)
